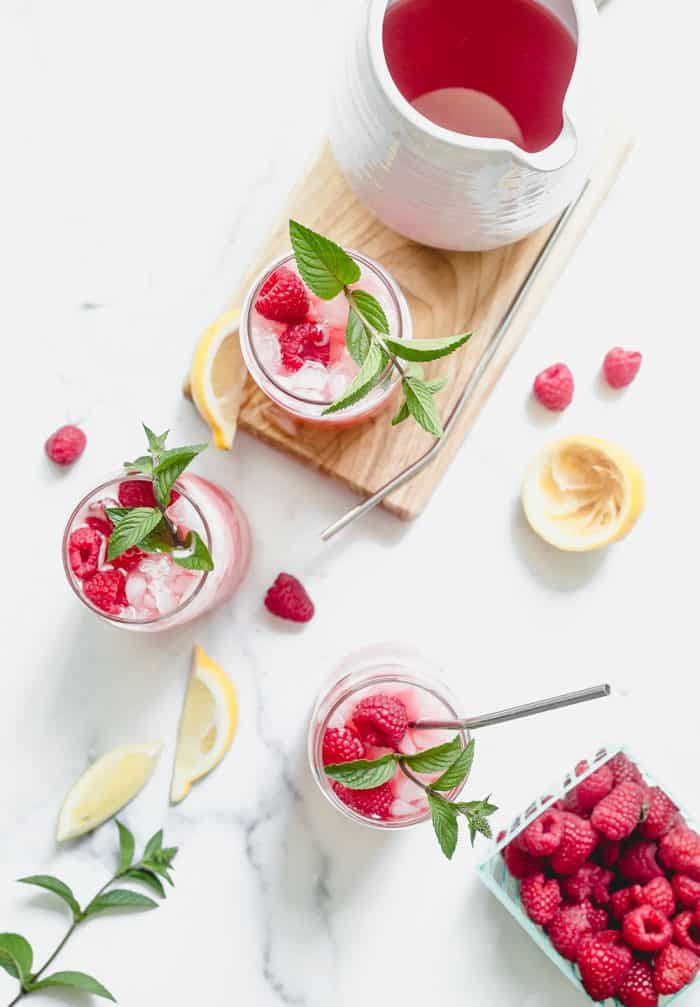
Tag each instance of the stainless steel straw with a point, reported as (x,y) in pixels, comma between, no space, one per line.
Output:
(472,384)
(516,712)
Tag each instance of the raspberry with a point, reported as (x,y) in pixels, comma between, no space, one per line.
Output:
(341,745)
(674,968)
(624,770)
(106,590)
(542,836)
(604,963)
(620,367)
(299,343)
(623,901)
(657,893)
(65,445)
(686,890)
(637,988)
(554,387)
(593,789)
(608,852)
(646,929)
(568,926)
(84,552)
(139,493)
(617,815)
(128,559)
(686,930)
(597,918)
(577,843)
(661,814)
(638,862)
(283,297)
(101,524)
(380,720)
(540,898)
(589,881)
(520,864)
(373,803)
(287,598)
(679,850)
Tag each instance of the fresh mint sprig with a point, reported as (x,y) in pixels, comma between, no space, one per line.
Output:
(150,528)
(451,761)
(328,270)
(16,953)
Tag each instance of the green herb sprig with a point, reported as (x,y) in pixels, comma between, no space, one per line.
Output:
(150,528)
(16,953)
(451,761)
(328,270)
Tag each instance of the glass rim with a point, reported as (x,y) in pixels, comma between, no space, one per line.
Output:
(72,579)
(248,307)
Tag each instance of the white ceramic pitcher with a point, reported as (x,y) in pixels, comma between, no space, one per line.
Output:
(446,189)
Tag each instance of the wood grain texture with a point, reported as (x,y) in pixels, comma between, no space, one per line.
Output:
(447,292)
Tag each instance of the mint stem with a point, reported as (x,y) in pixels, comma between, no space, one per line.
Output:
(392,356)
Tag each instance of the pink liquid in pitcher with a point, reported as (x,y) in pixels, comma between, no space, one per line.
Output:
(491,68)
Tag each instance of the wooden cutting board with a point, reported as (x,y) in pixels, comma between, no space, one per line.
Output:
(448,292)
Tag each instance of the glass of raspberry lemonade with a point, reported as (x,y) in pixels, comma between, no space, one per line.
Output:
(366,711)
(294,347)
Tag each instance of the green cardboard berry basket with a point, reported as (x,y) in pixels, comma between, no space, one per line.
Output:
(495,875)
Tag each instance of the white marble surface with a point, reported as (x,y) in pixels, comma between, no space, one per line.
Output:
(147,147)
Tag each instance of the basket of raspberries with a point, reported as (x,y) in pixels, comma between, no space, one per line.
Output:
(606,879)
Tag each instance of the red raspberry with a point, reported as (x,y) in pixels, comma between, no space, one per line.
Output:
(66,445)
(661,814)
(620,367)
(646,929)
(578,841)
(657,893)
(299,343)
(106,590)
(84,551)
(604,963)
(128,559)
(287,598)
(520,864)
(589,881)
(540,898)
(341,745)
(283,297)
(566,930)
(623,901)
(638,862)
(608,852)
(374,803)
(686,890)
(380,720)
(597,918)
(101,524)
(554,387)
(686,930)
(617,815)
(593,789)
(637,989)
(679,850)
(139,493)
(624,770)
(674,968)
(542,836)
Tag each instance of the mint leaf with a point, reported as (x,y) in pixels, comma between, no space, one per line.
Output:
(146,878)
(426,349)
(56,886)
(482,808)
(154,845)
(435,760)
(126,847)
(366,378)
(369,308)
(363,774)
(199,558)
(324,266)
(16,956)
(161,539)
(356,338)
(156,443)
(421,405)
(120,898)
(142,464)
(444,819)
(402,415)
(458,771)
(116,513)
(157,868)
(130,529)
(73,980)
(171,465)
(436,384)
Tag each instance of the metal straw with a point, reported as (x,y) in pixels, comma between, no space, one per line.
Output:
(472,384)
(516,712)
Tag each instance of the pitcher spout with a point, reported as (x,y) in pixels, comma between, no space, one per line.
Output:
(558,154)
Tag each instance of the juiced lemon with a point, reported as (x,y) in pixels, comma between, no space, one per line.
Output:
(105,788)
(208,724)
(582,493)
(217,377)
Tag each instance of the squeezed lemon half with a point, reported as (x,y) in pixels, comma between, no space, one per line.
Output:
(217,378)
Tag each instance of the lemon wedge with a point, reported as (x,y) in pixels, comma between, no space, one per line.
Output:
(103,789)
(208,724)
(582,493)
(217,378)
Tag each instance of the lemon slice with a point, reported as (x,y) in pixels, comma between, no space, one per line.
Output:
(104,788)
(208,724)
(217,378)
(583,493)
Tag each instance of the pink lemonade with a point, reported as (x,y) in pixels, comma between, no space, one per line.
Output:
(301,361)
(150,591)
(491,69)
(379,679)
